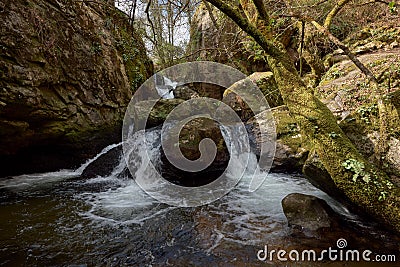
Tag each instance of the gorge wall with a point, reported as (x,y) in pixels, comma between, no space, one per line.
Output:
(67,72)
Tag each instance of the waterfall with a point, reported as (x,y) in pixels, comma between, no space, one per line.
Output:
(88,162)
(165,87)
(145,148)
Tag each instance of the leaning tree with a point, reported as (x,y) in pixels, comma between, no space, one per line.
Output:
(362,182)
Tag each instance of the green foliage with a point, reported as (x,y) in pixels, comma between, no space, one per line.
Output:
(138,79)
(392,7)
(292,128)
(366,111)
(336,73)
(256,51)
(358,170)
(128,44)
(383,189)
(382,195)
(108,23)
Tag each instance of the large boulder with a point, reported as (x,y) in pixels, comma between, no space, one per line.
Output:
(291,149)
(104,164)
(190,137)
(67,72)
(157,111)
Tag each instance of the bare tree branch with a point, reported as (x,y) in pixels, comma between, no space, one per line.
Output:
(210,12)
(147,11)
(346,50)
(236,15)
(262,11)
(339,5)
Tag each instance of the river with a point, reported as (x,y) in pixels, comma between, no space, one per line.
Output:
(61,219)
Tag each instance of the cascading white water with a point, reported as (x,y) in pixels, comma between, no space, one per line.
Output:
(27,181)
(129,204)
(114,219)
(165,87)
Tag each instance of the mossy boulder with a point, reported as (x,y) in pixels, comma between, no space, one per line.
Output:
(159,111)
(376,37)
(190,137)
(185,92)
(67,73)
(291,147)
(344,88)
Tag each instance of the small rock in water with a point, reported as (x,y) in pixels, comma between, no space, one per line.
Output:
(308,212)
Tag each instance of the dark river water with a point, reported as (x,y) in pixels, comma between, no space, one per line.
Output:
(60,219)
(109,221)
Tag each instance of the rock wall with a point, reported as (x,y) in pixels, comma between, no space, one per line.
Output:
(68,70)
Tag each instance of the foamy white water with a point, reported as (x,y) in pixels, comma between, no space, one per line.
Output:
(127,203)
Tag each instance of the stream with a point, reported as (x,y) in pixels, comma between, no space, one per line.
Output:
(61,219)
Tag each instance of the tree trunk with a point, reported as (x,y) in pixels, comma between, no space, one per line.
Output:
(372,191)
(364,184)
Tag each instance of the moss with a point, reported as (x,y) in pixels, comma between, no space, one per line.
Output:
(288,131)
(318,123)
(138,66)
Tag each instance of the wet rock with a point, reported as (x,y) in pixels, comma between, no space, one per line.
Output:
(288,159)
(103,165)
(67,72)
(308,212)
(208,90)
(185,92)
(189,139)
(159,111)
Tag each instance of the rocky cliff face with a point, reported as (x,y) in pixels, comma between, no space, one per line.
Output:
(68,70)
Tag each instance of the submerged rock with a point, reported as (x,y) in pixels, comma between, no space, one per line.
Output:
(67,72)
(308,212)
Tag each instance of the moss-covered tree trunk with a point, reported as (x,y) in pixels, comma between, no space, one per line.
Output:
(364,184)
